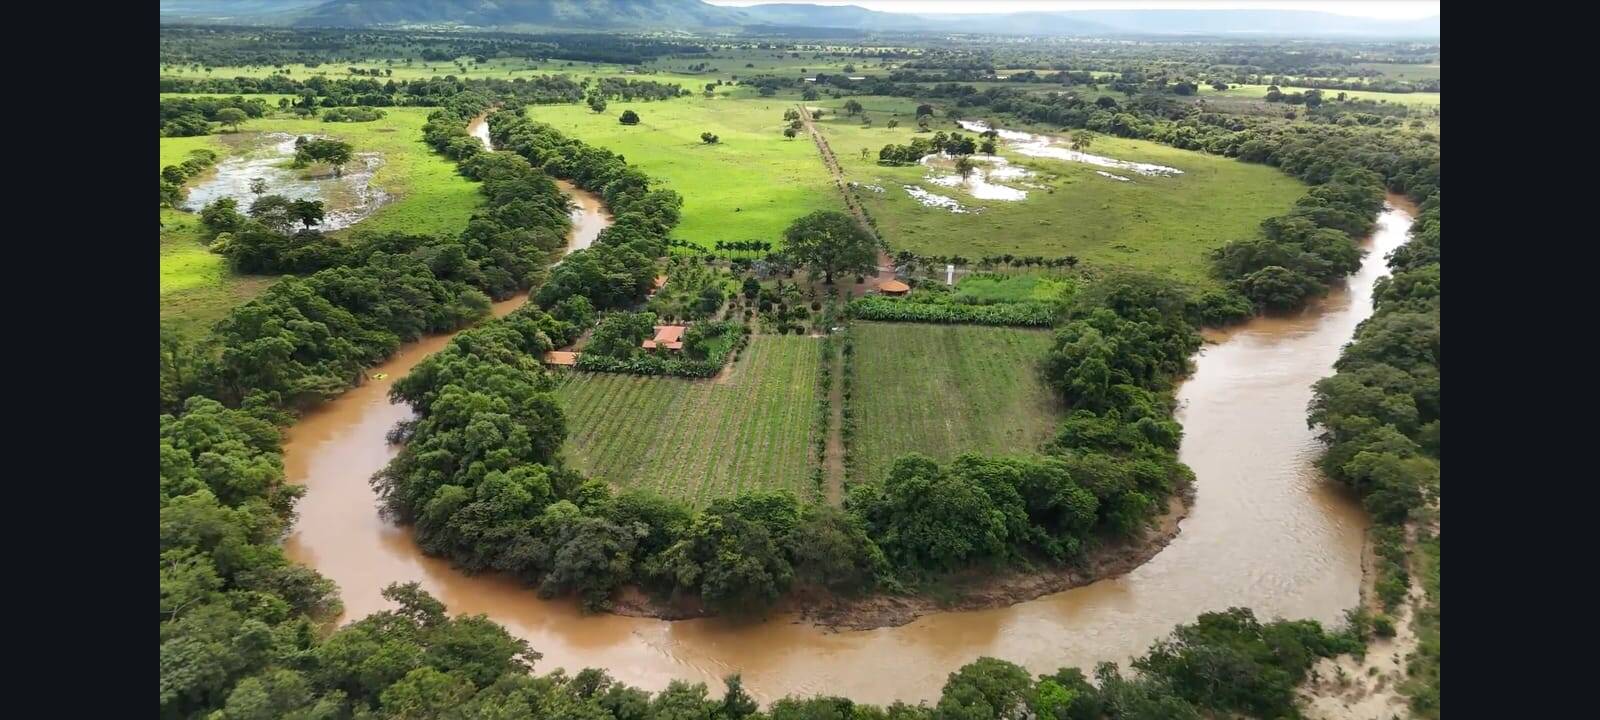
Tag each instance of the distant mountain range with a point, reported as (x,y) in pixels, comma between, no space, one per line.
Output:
(697,16)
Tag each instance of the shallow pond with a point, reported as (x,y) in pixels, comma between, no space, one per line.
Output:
(1046,146)
(348,198)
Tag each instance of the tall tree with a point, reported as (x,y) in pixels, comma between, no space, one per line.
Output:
(332,152)
(830,242)
(965,166)
(232,117)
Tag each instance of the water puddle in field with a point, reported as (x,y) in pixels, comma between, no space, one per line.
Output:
(348,198)
(932,200)
(1113,176)
(1045,146)
(981,183)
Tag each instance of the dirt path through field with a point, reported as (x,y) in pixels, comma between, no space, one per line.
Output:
(885,262)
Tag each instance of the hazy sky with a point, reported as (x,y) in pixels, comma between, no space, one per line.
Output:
(1387,9)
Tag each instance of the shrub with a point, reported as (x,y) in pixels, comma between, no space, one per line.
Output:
(877,307)
(1383,626)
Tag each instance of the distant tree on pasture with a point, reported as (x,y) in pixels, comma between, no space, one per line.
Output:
(232,117)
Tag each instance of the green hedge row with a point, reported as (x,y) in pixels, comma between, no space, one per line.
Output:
(892,310)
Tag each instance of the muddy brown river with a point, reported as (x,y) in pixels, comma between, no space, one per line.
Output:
(589,214)
(1266,531)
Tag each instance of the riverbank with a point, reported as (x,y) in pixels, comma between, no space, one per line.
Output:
(1374,685)
(1264,531)
(978,589)
(1360,688)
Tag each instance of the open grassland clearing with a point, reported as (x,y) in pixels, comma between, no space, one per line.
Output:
(748,186)
(745,62)
(1417,100)
(1405,71)
(942,390)
(426,194)
(690,71)
(750,428)
(175,150)
(398,70)
(197,288)
(1162,224)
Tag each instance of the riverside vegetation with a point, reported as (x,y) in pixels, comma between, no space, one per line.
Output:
(482,479)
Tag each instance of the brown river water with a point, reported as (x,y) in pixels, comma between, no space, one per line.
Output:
(1266,531)
(589,214)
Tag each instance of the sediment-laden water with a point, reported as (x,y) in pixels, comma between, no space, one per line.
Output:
(1265,531)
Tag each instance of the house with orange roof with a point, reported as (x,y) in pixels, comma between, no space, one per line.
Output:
(667,336)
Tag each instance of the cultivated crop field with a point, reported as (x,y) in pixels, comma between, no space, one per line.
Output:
(942,390)
(748,186)
(699,440)
(1161,224)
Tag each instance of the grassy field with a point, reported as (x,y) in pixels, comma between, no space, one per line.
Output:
(1162,224)
(749,186)
(701,439)
(1417,100)
(725,64)
(197,288)
(427,196)
(176,149)
(943,390)
(1405,71)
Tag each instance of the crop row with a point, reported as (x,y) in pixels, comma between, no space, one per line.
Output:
(701,439)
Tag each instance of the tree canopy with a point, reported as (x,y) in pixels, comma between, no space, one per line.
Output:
(831,243)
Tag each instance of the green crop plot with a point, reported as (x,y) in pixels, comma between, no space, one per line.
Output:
(699,440)
(942,390)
